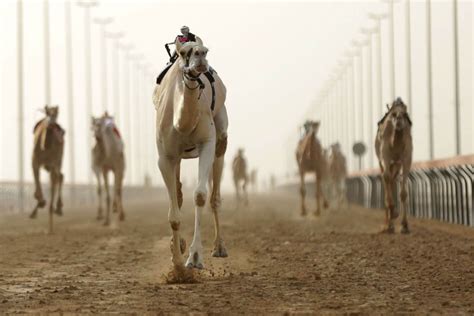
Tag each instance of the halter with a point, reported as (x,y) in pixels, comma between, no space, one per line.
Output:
(187,75)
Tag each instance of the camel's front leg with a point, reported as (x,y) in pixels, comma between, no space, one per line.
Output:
(54,178)
(389,205)
(99,195)
(237,192)
(206,159)
(59,204)
(40,202)
(219,248)
(107,197)
(404,203)
(168,171)
(318,194)
(245,193)
(302,193)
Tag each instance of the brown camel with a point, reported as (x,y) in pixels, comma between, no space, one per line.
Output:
(337,174)
(239,173)
(108,155)
(394,148)
(48,153)
(310,158)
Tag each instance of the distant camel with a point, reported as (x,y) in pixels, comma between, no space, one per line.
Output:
(191,122)
(240,176)
(310,158)
(108,155)
(48,153)
(337,174)
(394,148)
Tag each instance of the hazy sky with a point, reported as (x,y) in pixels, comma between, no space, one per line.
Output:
(273,57)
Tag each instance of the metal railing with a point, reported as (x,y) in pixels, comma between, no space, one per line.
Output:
(73,195)
(437,189)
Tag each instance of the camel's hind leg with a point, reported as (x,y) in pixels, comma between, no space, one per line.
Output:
(168,171)
(219,247)
(54,178)
(107,197)
(118,182)
(99,195)
(404,204)
(245,193)
(206,159)
(40,202)
(237,192)
(59,204)
(302,193)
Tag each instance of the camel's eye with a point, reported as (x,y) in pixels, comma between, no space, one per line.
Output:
(394,114)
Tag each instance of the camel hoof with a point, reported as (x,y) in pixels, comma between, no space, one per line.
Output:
(59,211)
(219,251)
(388,230)
(41,203)
(194,262)
(326,204)
(405,229)
(107,223)
(317,213)
(122,217)
(33,215)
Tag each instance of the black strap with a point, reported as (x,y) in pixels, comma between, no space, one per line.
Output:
(211,79)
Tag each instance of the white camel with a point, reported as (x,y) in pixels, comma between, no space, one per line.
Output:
(191,122)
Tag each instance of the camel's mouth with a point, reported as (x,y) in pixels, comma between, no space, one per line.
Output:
(201,68)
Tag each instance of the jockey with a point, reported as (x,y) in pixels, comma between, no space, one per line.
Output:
(185,37)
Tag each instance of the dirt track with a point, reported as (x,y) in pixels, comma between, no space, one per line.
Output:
(278,263)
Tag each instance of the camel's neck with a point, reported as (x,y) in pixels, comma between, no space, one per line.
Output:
(186,109)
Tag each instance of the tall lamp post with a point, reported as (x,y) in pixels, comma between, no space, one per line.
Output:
(429,80)
(70,96)
(102,22)
(87,5)
(21,137)
(47,55)
(378,18)
(391,48)
(370,104)
(408,54)
(116,36)
(457,104)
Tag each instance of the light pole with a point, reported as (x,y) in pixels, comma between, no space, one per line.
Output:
(126,108)
(70,96)
(391,48)
(377,18)
(457,105)
(115,36)
(429,80)
(21,138)
(47,57)
(408,54)
(102,22)
(134,161)
(359,53)
(370,104)
(87,5)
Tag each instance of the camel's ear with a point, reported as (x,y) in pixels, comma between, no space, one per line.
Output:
(388,106)
(199,41)
(46,107)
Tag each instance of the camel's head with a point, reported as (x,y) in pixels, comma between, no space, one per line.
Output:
(97,126)
(336,147)
(193,57)
(51,112)
(398,115)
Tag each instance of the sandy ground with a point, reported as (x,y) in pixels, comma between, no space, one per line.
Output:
(278,263)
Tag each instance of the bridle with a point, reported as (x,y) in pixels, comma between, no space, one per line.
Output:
(187,75)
